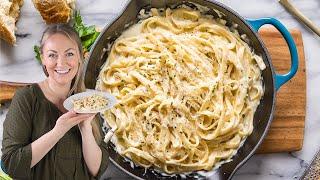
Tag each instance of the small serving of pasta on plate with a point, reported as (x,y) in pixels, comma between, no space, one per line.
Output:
(91,101)
(94,102)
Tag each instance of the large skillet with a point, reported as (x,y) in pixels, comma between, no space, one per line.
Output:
(272,81)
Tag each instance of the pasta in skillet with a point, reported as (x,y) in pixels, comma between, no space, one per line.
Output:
(187,88)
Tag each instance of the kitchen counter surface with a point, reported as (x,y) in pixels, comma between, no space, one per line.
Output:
(18,64)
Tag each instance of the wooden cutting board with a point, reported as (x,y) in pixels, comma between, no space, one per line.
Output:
(287,129)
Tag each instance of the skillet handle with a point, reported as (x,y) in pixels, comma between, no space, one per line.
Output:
(280,78)
(109,135)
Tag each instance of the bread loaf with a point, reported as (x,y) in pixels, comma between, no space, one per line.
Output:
(55,11)
(9,14)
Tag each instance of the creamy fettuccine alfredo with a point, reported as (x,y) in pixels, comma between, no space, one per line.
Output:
(90,103)
(187,88)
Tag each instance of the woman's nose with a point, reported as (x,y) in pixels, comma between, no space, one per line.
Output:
(61,60)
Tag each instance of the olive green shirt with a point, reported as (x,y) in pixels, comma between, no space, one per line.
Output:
(30,116)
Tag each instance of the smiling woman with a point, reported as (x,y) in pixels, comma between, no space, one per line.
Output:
(60,64)
(53,55)
(41,139)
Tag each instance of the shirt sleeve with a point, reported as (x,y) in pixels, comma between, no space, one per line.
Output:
(17,129)
(105,155)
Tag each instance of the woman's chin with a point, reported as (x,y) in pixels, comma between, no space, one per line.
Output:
(63,79)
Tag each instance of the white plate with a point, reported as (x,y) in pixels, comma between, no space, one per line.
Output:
(68,103)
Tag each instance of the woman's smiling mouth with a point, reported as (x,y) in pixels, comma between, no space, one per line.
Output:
(60,71)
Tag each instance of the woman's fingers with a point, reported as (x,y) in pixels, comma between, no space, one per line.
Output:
(69,114)
(87,116)
(72,113)
(79,118)
(90,114)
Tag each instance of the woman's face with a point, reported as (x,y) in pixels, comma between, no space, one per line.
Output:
(61,57)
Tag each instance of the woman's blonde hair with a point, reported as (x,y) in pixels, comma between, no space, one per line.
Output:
(77,84)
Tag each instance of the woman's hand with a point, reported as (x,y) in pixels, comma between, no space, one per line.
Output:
(68,120)
(86,124)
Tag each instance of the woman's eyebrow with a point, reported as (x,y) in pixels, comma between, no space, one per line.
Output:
(53,51)
(69,49)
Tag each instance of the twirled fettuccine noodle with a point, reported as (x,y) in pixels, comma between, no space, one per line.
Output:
(187,88)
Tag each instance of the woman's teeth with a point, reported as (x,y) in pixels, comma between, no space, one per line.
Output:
(62,71)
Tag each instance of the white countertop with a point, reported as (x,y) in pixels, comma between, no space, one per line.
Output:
(18,64)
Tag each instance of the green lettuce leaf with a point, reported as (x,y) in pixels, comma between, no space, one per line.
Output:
(36,49)
(87,34)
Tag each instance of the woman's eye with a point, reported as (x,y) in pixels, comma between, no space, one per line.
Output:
(52,55)
(70,54)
